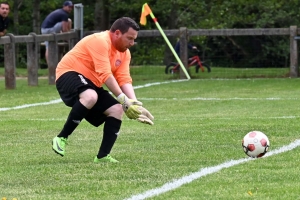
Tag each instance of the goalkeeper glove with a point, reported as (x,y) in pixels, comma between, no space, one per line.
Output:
(145,117)
(130,106)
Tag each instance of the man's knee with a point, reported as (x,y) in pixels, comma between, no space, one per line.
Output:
(88,98)
(115,111)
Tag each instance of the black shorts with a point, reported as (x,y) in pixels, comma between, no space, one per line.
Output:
(71,84)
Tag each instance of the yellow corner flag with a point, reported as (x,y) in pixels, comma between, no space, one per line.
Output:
(145,11)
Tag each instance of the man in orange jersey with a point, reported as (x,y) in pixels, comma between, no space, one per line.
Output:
(96,60)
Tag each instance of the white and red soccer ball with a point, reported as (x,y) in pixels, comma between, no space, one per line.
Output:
(255,144)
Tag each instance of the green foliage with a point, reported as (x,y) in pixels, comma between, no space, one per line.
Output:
(252,51)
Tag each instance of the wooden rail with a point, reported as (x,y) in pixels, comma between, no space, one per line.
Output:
(33,43)
(182,34)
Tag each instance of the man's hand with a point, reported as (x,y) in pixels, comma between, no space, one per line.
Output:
(130,106)
(145,117)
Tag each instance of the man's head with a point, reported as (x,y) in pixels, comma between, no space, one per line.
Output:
(123,33)
(4,9)
(68,6)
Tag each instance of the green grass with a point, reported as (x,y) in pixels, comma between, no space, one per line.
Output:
(152,73)
(22,72)
(198,123)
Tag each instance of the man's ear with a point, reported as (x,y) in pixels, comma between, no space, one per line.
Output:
(118,33)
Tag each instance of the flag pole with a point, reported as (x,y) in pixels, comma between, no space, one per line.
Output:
(146,7)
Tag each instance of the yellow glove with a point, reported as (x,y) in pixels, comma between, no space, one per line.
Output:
(145,117)
(130,106)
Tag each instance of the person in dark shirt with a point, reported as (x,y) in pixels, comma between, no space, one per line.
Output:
(177,47)
(57,21)
(4,11)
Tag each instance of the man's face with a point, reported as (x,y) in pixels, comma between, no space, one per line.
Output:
(68,8)
(4,10)
(126,40)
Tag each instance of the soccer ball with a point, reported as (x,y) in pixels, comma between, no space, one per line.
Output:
(255,144)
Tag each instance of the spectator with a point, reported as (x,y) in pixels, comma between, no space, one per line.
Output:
(4,11)
(57,21)
(177,47)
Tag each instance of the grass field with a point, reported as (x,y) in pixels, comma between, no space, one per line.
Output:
(188,154)
(151,73)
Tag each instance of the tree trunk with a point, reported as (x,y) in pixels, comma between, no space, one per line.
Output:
(169,57)
(36,17)
(17,4)
(101,21)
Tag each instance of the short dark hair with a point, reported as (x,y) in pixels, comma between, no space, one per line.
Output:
(4,2)
(123,24)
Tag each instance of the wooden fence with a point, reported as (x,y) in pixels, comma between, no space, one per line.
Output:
(183,34)
(33,43)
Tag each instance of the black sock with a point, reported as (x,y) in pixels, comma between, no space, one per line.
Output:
(77,113)
(110,133)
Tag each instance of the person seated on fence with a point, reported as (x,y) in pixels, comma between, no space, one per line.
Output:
(177,47)
(4,21)
(57,21)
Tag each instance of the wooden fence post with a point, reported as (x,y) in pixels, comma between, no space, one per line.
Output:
(294,70)
(52,59)
(32,61)
(10,63)
(183,50)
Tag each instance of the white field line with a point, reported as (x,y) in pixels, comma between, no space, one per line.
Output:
(206,171)
(165,119)
(157,99)
(59,100)
(218,99)
(31,105)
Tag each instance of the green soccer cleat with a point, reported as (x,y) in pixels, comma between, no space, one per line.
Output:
(58,145)
(107,158)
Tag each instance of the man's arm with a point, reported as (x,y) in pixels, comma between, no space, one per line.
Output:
(113,86)
(128,90)
(3,33)
(65,26)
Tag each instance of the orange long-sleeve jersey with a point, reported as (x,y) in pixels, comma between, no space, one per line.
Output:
(95,57)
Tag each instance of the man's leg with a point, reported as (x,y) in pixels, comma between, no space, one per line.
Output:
(110,133)
(46,31)
(66,85)
(69,24)
(55,29)
(46,55)
(79,110)
(109,111)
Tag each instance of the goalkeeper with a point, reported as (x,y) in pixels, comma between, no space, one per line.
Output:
(96,60)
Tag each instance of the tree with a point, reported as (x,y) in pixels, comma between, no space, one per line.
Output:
(36,21)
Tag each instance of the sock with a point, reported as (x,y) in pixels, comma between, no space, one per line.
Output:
(110,133)
(77,113)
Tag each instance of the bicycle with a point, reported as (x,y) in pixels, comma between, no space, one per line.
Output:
(195,60)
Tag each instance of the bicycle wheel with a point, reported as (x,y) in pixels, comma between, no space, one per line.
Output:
(204,65)
(170,68)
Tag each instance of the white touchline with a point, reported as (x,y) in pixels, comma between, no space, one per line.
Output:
(206,171)
(31,105)
(148,85)
(59,100)
(218,99)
